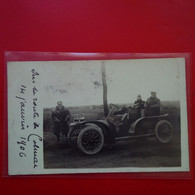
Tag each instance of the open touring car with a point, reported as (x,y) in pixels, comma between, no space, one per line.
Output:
(90,136)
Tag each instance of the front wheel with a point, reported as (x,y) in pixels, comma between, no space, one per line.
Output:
(73,136)
(164,131)
(90,140)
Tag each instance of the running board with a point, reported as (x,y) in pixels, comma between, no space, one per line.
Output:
(131,137)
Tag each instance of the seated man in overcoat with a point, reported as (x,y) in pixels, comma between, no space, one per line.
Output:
(152,105)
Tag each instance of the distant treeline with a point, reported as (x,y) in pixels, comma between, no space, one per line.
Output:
(168,104)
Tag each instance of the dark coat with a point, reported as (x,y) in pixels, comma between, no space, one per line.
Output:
(139,104)
(61,120)
(153,106)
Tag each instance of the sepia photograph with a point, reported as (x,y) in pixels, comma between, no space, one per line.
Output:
(114,114)
(97,116)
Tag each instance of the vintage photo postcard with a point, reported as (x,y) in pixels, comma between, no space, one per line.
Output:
(97,116)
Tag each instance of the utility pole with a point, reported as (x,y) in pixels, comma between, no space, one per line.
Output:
(105,102)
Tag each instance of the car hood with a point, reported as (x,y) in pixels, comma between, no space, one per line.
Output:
(104,121)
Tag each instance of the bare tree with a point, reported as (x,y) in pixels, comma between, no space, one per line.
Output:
(105,102)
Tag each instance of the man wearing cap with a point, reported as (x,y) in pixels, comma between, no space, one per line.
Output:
(139,105)
(153,105)
(61,118)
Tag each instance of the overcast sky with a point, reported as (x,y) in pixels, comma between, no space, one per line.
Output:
(79,83)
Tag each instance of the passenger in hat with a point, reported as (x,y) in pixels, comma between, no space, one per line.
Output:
(139,105)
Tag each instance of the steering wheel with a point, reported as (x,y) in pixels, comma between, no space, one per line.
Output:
(114,106)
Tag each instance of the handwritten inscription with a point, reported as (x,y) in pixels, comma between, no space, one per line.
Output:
(35,90)
(22,106)
(32,140)
(35,138)
(35,113)
(22,146)
(34,74)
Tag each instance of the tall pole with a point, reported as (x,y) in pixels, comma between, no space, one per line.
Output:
(105,102)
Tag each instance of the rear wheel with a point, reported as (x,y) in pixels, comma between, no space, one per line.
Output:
(164,131)
(90,140)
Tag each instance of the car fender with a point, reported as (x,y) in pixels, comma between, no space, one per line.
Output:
(107,128)
(151,120)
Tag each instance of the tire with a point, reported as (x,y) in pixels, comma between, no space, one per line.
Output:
(163,131)
(90,140)
(73,136)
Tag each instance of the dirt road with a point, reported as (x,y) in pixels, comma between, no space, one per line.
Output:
(147,153)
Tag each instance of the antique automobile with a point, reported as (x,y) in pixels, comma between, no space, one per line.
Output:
(90,136)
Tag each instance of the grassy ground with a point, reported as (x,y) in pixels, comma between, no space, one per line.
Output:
(139,153)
